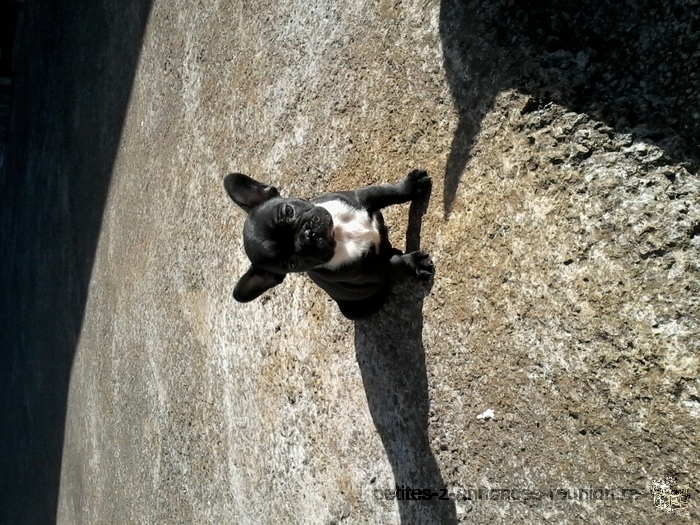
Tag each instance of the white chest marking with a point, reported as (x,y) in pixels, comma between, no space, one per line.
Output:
(354,230)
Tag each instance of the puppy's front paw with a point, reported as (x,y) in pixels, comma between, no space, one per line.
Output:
(417,183)
(422,265)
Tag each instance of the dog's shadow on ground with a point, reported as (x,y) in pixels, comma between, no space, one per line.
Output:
(390,353)
(634,65)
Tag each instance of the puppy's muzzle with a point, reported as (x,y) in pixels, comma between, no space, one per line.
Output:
(316,235)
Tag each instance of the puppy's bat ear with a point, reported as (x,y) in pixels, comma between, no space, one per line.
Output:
(246,192)
(253,283)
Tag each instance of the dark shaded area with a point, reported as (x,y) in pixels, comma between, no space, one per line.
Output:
(9,15)
(390,353)
(74,70)
(9,12)
(633,64)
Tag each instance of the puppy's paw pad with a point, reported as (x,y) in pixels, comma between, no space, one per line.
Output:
(422,264)
(418,183)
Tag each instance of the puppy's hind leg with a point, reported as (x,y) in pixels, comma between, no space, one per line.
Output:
(418,264)
(363,308)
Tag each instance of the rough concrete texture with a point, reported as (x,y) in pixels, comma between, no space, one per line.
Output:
(564,225)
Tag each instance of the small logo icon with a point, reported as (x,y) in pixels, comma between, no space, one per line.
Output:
(668,496)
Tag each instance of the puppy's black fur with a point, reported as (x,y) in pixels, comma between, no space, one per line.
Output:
(338,239)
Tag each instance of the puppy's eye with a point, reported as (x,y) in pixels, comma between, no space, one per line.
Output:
(288,211)
(293,263)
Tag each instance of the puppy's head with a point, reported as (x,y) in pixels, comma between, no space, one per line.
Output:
(279,236)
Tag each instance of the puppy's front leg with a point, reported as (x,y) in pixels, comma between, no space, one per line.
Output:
(417,263)
(415,184)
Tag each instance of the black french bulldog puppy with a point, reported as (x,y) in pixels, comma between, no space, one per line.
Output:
(338,239)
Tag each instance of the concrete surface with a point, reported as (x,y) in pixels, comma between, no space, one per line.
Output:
(564,226)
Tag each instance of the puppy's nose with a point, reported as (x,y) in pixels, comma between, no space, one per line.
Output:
(308,236)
